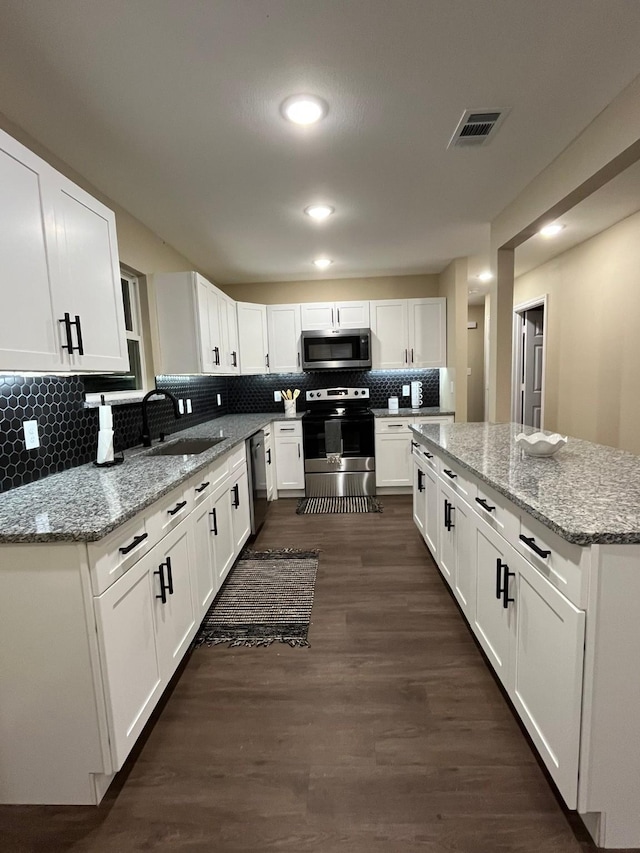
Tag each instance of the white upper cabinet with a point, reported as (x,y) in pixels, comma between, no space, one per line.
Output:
(389,334)
(320,316)
(252,337)
(194,328)
(409,333)
(284,325)
(59,271)
(427,332)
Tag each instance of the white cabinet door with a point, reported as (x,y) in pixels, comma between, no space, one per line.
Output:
(289,463)
(393,460)
(491,623)
(29,336)
(203,298)
(88,285)
(174,609)
(419,496)
(465,565)
(446,532)
(214,311)
(389,334)
(222,534)
(204,577)
(231,342)
(546,672)
(284,324)
(352,315)
(130,664)
(270,466)
(252,335)
(318,316)
(427,332)
(432,520)
(241,514)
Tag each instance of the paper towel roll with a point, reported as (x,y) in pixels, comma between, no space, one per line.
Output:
(105,446)
(106,417)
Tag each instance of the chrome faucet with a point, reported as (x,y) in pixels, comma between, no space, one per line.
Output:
(146,431)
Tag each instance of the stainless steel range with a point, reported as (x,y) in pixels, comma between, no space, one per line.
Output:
(339,445)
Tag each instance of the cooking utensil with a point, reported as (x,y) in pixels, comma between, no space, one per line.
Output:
(296,394)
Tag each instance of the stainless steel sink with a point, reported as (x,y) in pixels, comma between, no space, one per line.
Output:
(185,447)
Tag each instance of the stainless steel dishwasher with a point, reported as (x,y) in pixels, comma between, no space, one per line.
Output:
(257,481)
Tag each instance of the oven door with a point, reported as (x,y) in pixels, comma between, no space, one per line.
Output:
(339,455)
(349,348)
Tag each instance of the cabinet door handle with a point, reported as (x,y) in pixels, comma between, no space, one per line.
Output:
(136,541)
(406,357)
(202,487)
(483,503)
(298,450)
(236,491)
(234,356)
(420,481)
(78,326)
(266,359)
(169,576)
(530,542)
(411,355)
(216,353)
(268,456)
(298,359)
(395,426)
(450,474)
(446,514)
(332,323)
(338,316)
(177,508)
(68,323)
(499,565)
(505,586)
(163,587)
(214,519)
(287,429)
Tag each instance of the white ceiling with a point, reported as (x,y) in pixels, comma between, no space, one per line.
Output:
(171,107)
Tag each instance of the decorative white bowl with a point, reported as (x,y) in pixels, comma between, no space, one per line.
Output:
(540,444)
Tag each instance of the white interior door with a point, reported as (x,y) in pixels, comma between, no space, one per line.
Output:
(532,364)
(88,285)
(28,324)
(546,676)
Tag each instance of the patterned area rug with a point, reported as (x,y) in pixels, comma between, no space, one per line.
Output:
(362,503)
(267,598)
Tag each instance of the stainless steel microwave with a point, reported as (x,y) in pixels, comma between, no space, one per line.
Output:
(341,349)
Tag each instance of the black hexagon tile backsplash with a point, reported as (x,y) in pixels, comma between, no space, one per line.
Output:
(69,432)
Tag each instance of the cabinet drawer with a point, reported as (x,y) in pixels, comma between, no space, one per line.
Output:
(169,511)
(393,425)
(424,454)
(496,511)
(457,478)
(287,428)
(564,564)
(204,483)
(237,458)
(111,557)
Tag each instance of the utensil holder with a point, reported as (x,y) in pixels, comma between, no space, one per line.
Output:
(289,408)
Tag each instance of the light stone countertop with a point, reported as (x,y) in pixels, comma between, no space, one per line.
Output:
(586,493)
(427,411)
(86,503)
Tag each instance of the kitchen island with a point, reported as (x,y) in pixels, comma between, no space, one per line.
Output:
(543,558)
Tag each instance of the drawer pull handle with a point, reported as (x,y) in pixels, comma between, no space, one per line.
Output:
(414,444)
(499,565)
(214,518)
(420,481)
(395,426)
(163,586)
(136,541)
(202,487)
(450,474)
(447,515)
(236,491)
(530,542)
(287,429)
(483,503)
(177,508)
(268,456)
(505,586)
(428,455)
(234,356)
(169,576)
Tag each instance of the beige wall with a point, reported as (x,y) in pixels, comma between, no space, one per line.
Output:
(453,285)
(475,355)
(592,336)
(378,287)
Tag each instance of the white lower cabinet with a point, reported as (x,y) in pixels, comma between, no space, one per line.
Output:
(532,635)
(393,446)
(289,457)
(240,512)
(205,582)
(222,534)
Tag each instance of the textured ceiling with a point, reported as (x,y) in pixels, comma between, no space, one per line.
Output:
(172,109)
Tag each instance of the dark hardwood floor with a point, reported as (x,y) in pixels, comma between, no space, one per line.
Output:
(388,734)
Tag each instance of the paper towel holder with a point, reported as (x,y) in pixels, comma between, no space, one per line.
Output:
(117,460)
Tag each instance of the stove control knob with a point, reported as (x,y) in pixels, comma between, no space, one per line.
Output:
(356,393)
(310,393)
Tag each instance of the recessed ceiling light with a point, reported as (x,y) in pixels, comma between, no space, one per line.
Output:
(323,263)
(487,275)
(304,109)
(319,212)
(551,230)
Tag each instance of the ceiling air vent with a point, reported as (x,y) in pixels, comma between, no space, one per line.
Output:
(476,128)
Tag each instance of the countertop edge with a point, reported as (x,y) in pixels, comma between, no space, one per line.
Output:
(574,537)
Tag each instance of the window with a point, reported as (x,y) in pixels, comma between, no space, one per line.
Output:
(96,384)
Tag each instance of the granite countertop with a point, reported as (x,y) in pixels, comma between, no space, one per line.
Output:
(86,503)
(427,411)
(586,493)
